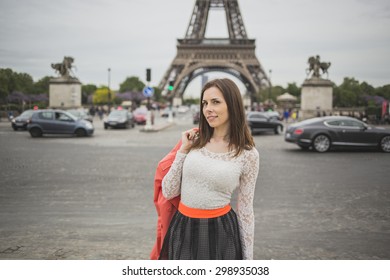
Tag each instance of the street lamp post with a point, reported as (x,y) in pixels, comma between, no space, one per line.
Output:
(109,91)
(269,88)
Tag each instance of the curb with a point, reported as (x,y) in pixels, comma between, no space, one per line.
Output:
(156,128)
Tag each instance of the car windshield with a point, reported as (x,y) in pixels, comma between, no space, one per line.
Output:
(140,112)
(271,114)
(257,116)
(27,114)
(75,113)
(117,113)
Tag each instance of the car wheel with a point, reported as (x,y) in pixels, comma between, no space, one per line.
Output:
(80,132)
(35,132)
(278,129)
(321,143)
(105,126)
(15,128)
(385,144)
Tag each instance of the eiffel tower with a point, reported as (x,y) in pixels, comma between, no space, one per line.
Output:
(197,55)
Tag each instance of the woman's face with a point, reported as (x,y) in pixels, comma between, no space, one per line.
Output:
(215,109)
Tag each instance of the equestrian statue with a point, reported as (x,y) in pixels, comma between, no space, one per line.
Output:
(315,65)
(64,68)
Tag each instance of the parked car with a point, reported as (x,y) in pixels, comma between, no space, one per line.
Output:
(183,109)
(263,121)
(119,118)
(140,116)
(165,113)
(81,114)
(57,122)
(324,133)
(273,115)
(21,121)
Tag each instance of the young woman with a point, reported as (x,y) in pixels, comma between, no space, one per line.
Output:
(212,162)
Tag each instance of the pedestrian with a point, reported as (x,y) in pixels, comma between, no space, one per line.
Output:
(294,116)
(286,115)
(100,112)
(92,111)
(213,160)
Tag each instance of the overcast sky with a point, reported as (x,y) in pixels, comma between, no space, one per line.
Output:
(129,36)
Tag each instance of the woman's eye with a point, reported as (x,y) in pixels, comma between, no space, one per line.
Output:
(212,102)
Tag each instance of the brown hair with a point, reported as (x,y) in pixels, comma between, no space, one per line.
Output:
(240,137)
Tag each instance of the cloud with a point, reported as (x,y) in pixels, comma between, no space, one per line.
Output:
(129,36)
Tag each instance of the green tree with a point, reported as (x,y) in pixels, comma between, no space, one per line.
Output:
(192,101)
(383,91)
(367,89)
(24,83)
(6,83)
(293,89)
(89,89)
(100,96)
(276,91)
(157,96)
(269,93)
(131,84)
(42,86)
(86,91)
(348,94)
(11,81)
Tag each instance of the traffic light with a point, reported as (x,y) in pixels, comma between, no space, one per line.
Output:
(148,74)
(170,87)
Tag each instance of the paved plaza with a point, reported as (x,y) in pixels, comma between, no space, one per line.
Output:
(92,198)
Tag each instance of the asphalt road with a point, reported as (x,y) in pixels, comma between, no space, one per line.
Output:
(92,198)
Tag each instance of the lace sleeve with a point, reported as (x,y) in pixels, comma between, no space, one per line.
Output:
(172,180)
(246,219)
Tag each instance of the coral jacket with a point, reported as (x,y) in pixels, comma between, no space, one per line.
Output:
(165,208)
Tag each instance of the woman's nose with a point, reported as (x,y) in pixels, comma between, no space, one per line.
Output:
(209,109)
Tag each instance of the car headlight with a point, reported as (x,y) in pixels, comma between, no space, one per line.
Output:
(13,120)
(89,125)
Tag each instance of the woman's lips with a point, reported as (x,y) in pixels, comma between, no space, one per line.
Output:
(211,118)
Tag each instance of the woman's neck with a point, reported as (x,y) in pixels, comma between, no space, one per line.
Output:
(220,135)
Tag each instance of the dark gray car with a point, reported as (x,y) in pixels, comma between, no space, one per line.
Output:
(264,121)
(81,114)
(119,118)
(58,122)
(21,121)
(326,132)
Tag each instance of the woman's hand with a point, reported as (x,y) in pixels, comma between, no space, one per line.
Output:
(187,139)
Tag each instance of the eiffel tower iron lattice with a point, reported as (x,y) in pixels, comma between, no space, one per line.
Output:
(197,55)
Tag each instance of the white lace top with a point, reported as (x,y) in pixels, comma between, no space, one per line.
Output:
(206,180)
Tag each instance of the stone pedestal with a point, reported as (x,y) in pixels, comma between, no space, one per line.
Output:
(316,97)
(177,101)
(64,93)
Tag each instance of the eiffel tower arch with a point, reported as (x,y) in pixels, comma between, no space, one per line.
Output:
(196,54)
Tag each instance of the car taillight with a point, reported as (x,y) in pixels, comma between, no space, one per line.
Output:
(298,131)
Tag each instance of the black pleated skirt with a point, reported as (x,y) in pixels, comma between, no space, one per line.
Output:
(202,238)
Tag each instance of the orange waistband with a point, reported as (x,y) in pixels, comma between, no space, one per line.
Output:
(203,213)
